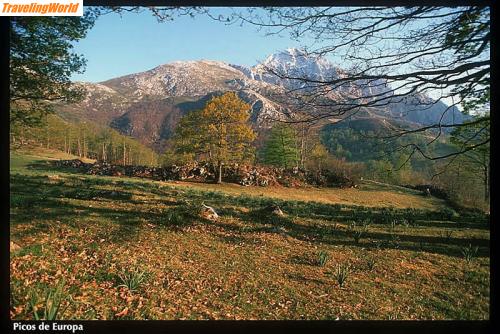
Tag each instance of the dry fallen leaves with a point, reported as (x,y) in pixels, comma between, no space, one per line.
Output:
(122,313)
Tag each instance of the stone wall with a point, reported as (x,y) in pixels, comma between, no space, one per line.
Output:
(241,174)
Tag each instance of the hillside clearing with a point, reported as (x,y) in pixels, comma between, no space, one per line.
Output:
(368,194)
(136,249)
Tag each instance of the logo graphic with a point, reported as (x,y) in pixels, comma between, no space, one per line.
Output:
(41,7)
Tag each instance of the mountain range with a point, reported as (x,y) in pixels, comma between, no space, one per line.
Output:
(148,105)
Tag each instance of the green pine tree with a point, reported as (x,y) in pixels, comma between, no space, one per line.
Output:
(280,149)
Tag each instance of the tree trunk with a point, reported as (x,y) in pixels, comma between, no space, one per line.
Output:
(48,135)
(303,148)
(284,162)
(219,173)
(104,152)
(486,185)
(79,146)
(124,153)
(84,146)
(21,136)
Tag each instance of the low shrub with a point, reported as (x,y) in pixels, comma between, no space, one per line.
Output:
(469,252)
(322,258)
(52,303)
(370,263)
(341,273)
(132,279)
(449,214)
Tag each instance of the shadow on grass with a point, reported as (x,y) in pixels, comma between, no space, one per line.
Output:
(303,279)
(294,208)
(22,187)
(48,166)
(303,260)
(327,234)
(238,239)
(338,212)
(38,197)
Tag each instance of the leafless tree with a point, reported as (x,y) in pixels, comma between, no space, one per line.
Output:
(395,54)
(391,54)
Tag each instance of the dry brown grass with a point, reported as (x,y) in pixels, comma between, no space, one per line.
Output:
(90,230)
(367,195)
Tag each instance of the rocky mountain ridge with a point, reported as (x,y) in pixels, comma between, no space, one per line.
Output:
(148,105)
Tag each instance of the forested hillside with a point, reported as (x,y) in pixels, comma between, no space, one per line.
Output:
(84,139)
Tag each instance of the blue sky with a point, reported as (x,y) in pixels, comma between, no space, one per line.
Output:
(133,43)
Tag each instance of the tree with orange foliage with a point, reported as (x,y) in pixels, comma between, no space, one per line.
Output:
(220,132)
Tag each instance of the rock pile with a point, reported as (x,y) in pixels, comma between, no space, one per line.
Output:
(208,212)
(430,190)
(291,177)
(250,175)
(241,174)
(191,171)
(273,210)
(72,163)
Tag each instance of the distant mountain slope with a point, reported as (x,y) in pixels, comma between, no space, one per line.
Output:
(188,78)
(425,111)
(148,105)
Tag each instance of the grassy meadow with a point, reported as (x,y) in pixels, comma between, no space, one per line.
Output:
(127,248)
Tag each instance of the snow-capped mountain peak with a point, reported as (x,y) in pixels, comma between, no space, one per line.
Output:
(160,96)
(294,62)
